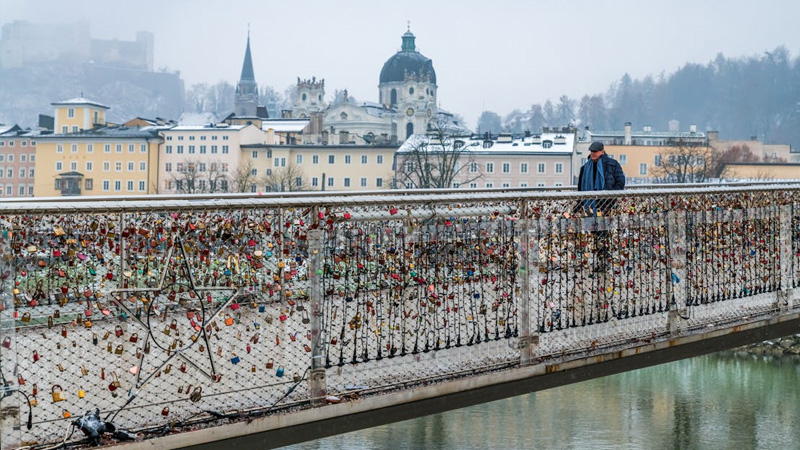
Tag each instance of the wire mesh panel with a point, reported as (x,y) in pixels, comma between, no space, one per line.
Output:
(172,313)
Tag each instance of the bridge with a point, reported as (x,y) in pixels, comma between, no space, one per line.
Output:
(269,320)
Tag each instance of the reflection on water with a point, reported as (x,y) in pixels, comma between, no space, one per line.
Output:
(710,402)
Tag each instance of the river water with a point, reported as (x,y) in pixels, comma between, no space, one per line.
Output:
(720,401)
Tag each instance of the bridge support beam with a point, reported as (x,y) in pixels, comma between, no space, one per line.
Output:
(785,293)
(317,384)
(679,309)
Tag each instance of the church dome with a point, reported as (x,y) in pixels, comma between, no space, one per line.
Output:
(408,60)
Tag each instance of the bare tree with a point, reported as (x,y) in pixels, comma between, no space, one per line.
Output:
(685,161)
(438,159)
(243,177)
(199,177)
(286,179)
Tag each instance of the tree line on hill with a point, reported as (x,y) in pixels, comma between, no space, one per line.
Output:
(755,96)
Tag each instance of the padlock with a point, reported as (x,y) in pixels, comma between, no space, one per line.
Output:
(26,317)
(7,342)
(279,372)
(119,350)
(197,394)
(87,323)
(57,313)
(114,382)
(60,367)
(66,414)
(296,377)
(182,368)
(84,371)
(81,393)
(167,330)
(58,396)
(270,363)
(134,338)
(118,330)
(235,359)
(253,369)
(228,320)
(109,348)
(49,321)
(174,324)
(94,338)
(168,369)
(105,336)
(165,411)
(35,356)
(63,331)
(33,402)
(35,390)
(283,317)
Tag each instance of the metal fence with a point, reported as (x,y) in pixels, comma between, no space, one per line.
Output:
(175,312)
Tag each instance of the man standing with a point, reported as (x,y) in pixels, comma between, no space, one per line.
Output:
(600,173)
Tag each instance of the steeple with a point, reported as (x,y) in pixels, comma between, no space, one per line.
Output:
(247,89)
(408,41)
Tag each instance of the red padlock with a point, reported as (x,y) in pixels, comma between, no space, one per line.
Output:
(35,356)
(165,411)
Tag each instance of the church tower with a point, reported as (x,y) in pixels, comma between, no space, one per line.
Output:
(246,104)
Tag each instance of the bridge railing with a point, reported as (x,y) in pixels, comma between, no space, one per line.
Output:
(179,311)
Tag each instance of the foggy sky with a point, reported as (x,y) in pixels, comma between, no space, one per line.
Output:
(493,55)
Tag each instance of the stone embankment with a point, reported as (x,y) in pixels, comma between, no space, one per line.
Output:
(785,346)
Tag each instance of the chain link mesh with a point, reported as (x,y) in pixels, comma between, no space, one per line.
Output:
(176,313)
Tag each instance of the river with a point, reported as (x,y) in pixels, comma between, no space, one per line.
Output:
(710,402)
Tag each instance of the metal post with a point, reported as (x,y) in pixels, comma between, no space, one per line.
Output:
(525,350)
(316,382)
(785,292)
(676,233)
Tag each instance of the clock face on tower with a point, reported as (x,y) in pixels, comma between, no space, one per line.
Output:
(410,112)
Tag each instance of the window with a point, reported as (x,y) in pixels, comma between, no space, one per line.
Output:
(346,182)
(643,169)
(473,185)
(25,144)
(330,182)
(213,149)
(201,167)
(559,167)
(131,148)
(314,159)
(180,138)
(191,149)
(2,157)
(506,167)
(117,185)
(88,184)
(254,154)
(379,182)
(283,162)
(30,190)
(314,182)
(299,159)
(379,159)
(89,148)
(10,172)
(213,138)
(142,166)
(118,166)
(179,167)
(142,148)
(363,159)
(71,113)
(276,162)
(22,158)
(225,149)
(254,171)
(558,184)
(489,167)
(523,184)
(180,149)
(331,159)
(539,184)
(168,167)
(224,138)
(31,159)
(169,138)
(30,173)
(118,148)
(74,128)
(409,166)
(11,158)
(456,184)
(547,144)
(540,168)
(298,181)
(2,174)
(363,181)
(106,185)
(141,185)
(658,160)
(347,159)
(224,167)
(59,167)
(523,168)
(202,138)
(22,172)
(131,166)
(107,148)
(22,190)
(191,138)
(9,189)
(59,149)
(64,129)
(129,185)
(489,185)
(409,185)
(89,166)
(203,151)
(505,185)
(623,159)
(106,166)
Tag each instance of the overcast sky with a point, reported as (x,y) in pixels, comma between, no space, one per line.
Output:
(488,55)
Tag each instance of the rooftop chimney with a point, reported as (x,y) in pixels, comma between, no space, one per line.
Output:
(627,133)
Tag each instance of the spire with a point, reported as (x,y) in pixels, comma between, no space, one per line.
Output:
(247,67)
(408,40)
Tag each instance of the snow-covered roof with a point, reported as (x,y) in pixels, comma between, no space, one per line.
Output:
(545,143)
(208,127)
(197,118)
(285,125)
(80,101)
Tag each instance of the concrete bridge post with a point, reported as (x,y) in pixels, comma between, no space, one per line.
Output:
(785,292)
(679,309)
(528,341)
(316,382)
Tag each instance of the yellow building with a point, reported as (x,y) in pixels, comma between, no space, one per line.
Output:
(762,171)
(92,158)
(78,114)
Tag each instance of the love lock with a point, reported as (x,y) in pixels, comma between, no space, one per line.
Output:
(197,394)
(58,395)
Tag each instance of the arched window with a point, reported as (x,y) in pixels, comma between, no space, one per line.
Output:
(304,97)
(393,98)
(411,91)
(409,129)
